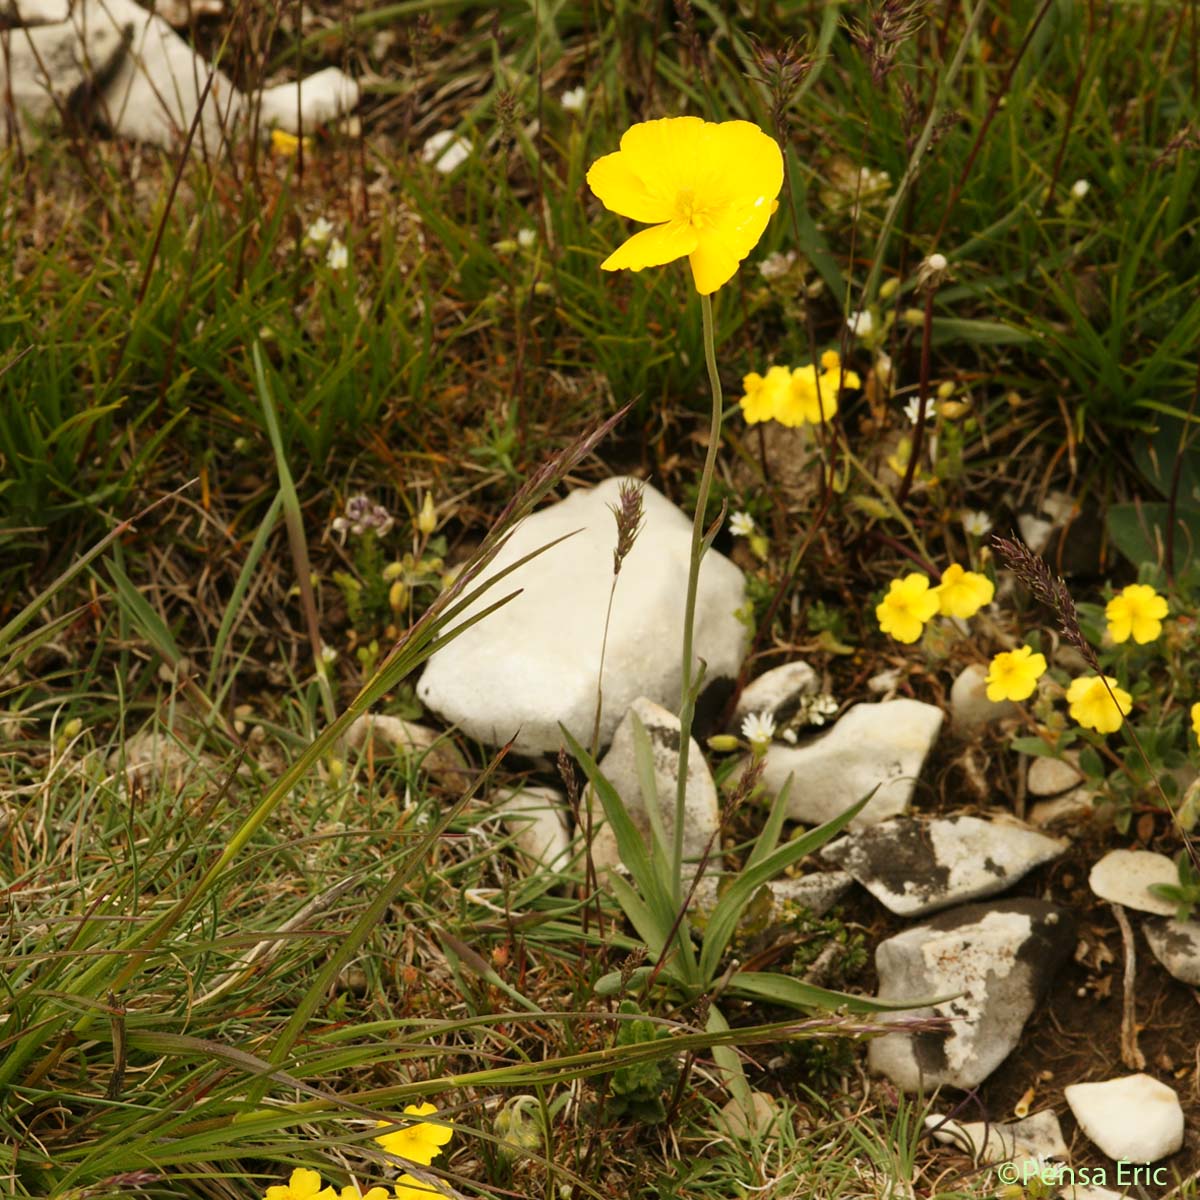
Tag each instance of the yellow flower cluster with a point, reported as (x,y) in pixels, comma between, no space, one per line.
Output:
(420,1142)
(911,602)
(796,397)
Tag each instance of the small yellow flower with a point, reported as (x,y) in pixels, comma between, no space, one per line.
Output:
(1196,718)
(908,604)
(707,189)
(287,145)
(1138,610)
(1093,707)
(813,397)
(427,517)
(351,1192)
(1013,675)
(766,395)
(963,593)
(303,1185)
(419,1143)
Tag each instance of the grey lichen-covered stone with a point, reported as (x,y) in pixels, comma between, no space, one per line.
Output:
(1052,776)
(701,815)
(872,746)
(1131,1119)
(536,661)
(915,865)
(1038,1136)
(1176,944)
(1125,876)
(996,961)
(817,893)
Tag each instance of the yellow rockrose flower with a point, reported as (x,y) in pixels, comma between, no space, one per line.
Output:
(1136,610)
(1093,707)
(707,189)
(909,603)
(813,397)
(351,1192)
(410,1188)
(421,1142)
(1196,718)
(303,1185)
(288,144)
(963,593)
(1013,675)
(765,395)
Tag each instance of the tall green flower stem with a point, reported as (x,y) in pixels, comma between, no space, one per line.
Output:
(700,543)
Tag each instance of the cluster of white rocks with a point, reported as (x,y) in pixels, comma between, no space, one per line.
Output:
(985,967)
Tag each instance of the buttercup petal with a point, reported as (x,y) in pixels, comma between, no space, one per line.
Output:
(622,191)
(672,153)
(653,247)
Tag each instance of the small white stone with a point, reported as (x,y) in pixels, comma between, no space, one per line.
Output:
(777,692)
(536,817)
(1052,776)
(1073,809)
(969,705)
(1123,877)
(1176,944)
(1036,1136)
(1131,1119)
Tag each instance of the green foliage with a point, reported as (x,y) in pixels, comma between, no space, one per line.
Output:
(637,1090)
(1186,893)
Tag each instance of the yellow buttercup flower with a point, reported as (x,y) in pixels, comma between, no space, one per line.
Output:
(908,604)
(288,144)
(963,593)
(421,1142)
(303,1185)
(765,395)
(351,1192)
(1093,707)
(1013,675)
(1136,610)
(707,189)
(1196,718)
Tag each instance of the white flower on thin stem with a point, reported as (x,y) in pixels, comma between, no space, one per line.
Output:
(319,232)
(337,257)
(758,729)
(1080,188)
(446,150)
(526,238)
(741,524)
(861,324)
(976,524)
(913,408)
(573,99)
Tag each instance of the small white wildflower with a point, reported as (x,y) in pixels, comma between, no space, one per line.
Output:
(976,524)
(1080,188)
(337,256)
(758,729)
(776,265)
(573,99)
(741,524)
(861,324)
(328,655)
(526,238)
(446,150)
(319,232)
(936,262)
(913,408)
(820,708)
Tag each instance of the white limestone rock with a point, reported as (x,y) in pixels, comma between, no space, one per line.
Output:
(147,82)
(1133,1119)
(536,661)
(1176,944)
(1070,810)
(1124,877)
(871,745)
(701,813)
(915,865)
(536,817)
(996,960)
(818,892)
(777,692)
(969,705)
(1052,776)
(1038,1136)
